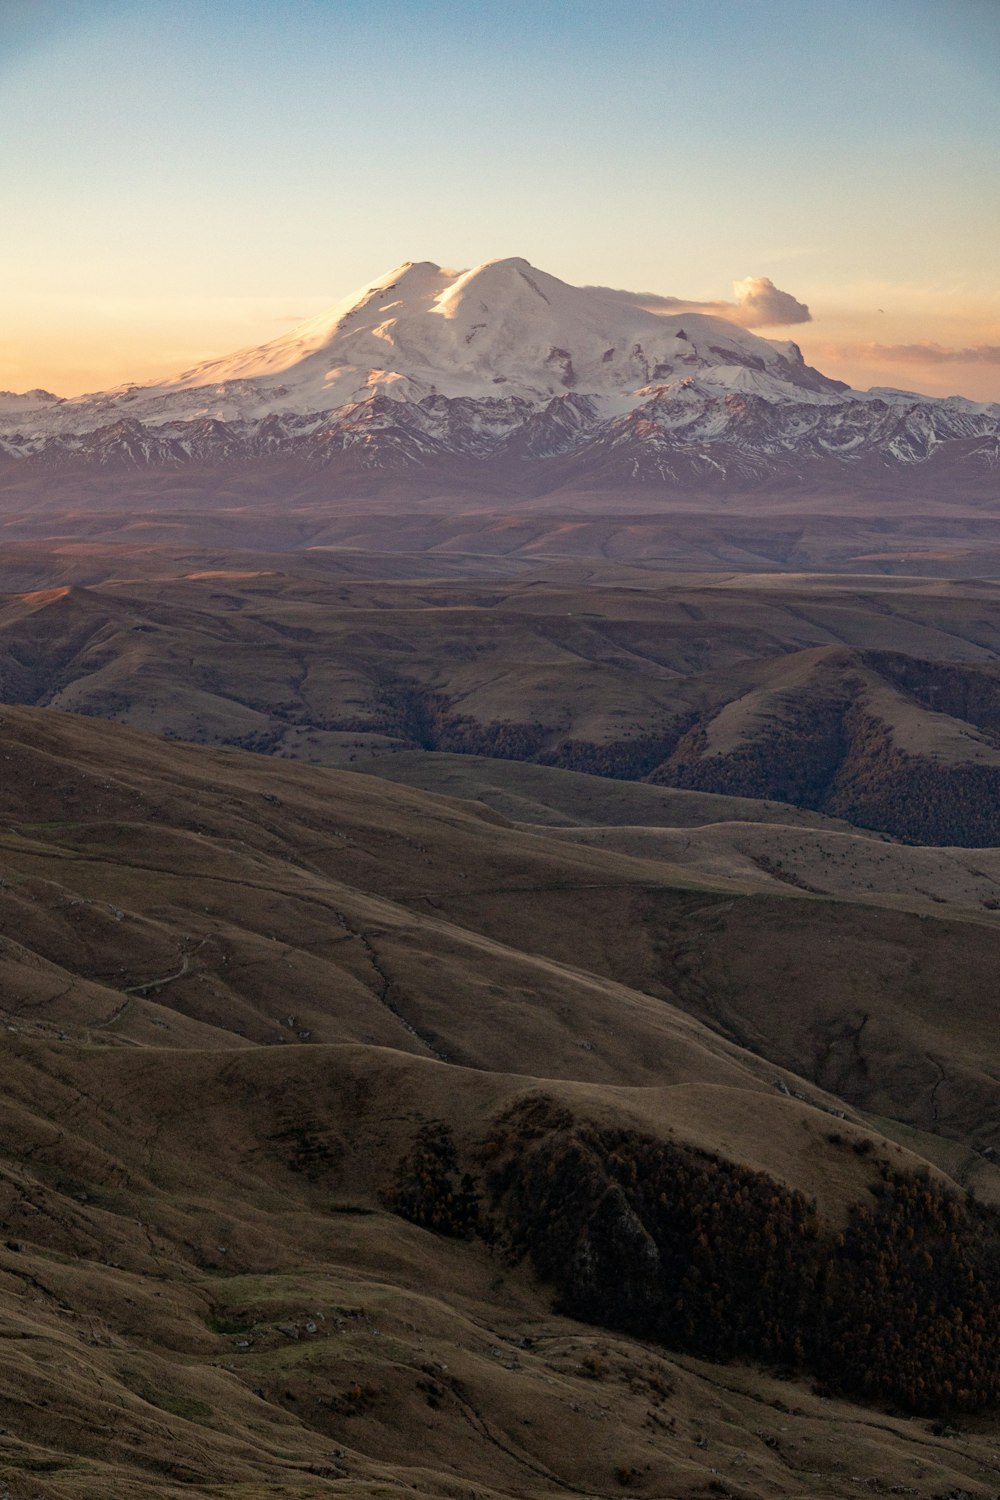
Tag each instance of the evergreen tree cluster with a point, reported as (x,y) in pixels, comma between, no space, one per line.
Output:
(428,1191)
(669,1243)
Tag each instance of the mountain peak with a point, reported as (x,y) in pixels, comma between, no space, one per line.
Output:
(501,328)
(504,357)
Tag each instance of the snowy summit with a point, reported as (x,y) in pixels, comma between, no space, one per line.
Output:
(504,362)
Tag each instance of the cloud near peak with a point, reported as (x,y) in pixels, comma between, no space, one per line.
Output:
(759,304)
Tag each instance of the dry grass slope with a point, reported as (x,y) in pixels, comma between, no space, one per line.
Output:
(241,994)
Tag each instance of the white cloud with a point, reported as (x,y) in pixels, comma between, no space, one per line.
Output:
(759,304)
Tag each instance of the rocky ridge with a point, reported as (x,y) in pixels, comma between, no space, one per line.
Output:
(508,366)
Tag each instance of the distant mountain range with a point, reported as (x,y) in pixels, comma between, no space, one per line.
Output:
(508,367)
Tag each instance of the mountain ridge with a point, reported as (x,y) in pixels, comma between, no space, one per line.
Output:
(507,365)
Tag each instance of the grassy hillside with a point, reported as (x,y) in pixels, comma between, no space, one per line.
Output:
(485,1126)
(877,704)
(209,1288)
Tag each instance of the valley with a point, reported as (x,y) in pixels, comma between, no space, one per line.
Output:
(875,701)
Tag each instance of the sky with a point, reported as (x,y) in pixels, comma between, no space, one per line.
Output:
(184,177)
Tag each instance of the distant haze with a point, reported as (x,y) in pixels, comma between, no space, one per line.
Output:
(185,179)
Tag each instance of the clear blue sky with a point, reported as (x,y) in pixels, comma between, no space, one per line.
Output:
(180,177)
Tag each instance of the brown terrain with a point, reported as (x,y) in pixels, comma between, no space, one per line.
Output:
(873,700)
(599,1095)
(929,518)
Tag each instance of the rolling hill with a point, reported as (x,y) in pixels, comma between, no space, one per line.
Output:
(249,1005)
(874,701)
(395,1133)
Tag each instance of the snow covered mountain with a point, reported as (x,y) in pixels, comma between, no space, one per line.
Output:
(505,363)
